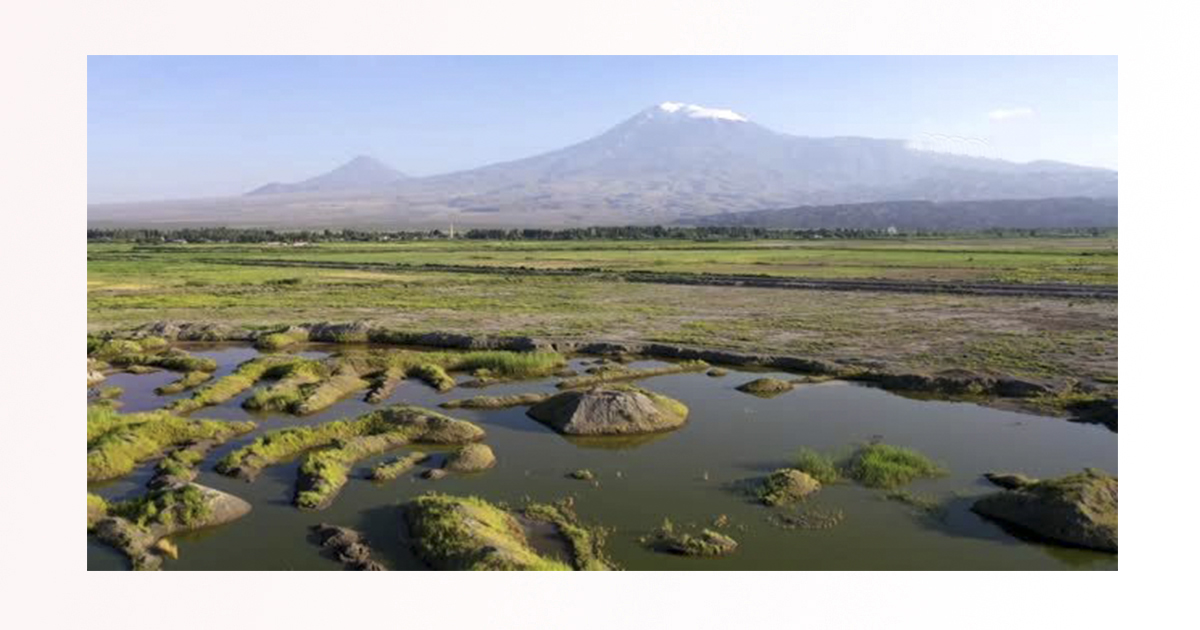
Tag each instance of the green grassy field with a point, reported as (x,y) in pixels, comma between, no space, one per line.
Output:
(1077,260)
(1051,338)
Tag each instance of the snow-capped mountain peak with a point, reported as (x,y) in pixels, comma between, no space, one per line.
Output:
(697,111)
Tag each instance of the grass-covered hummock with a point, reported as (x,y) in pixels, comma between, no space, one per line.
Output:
(341,443)
(186,506)
(280,340)
(471,458)
(397,466)
(343,382)
(136,526)
(785,486)
(887,466)
(148,352)
(765,387)
(110,393)
(117,443)
(183,383)
(97,508)
(230,385)
(383,384)
(434,375)
(620,373)
(668,538)
(287,393)
(1078,510)
(468,533)
(819,466)
(496,402)
(587,542)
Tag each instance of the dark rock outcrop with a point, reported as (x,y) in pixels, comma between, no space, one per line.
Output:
(347,546)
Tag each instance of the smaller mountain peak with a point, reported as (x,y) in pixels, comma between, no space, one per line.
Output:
(365,160)
(699,111)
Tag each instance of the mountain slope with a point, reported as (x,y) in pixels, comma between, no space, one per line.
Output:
(668,162)
(1072,212)
(361,173)
(684,160)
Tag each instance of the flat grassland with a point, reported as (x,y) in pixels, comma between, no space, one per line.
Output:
(1057,339)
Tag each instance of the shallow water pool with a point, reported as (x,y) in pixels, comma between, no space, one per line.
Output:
(691,476)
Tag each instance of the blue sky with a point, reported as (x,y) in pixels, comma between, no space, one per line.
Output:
(180,127)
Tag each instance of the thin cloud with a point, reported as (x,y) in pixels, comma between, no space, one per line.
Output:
(1008,114)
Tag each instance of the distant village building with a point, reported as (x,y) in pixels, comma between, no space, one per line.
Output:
(892,231)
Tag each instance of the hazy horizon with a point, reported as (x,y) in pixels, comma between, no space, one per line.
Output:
(194,127)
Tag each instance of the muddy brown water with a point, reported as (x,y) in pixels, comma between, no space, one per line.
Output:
(690,476)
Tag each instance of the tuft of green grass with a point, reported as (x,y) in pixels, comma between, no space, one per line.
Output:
(509,365)
(887,466)
(819,466)
(97,508)
(280,340)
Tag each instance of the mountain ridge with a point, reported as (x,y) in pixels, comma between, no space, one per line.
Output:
(667,162)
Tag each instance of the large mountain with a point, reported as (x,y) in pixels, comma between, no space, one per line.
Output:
(668,162)
(362,173)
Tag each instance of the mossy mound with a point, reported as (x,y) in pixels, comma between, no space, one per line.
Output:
(383,384)
(185,382)
(397,466)
(94,373)
(787,486)
(1078,510)
(610,410)
(230,385)
(468,533)
(1009,481)
(118,442)
(471,458)
(586,542)
(341,443)
(496,402)
(582,474)
(706,543)
(717,372)
(765,387)
(134,527)
(434,375)
(97,508)
(887,466)
(279,340)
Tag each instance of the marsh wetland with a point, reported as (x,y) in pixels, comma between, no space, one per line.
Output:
(701,478)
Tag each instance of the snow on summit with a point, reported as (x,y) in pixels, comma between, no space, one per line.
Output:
(696,111)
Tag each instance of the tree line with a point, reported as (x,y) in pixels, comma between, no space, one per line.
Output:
(627,232)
